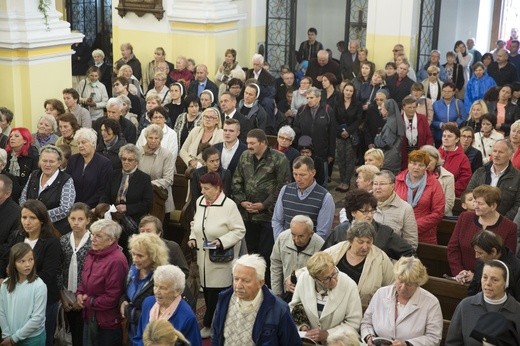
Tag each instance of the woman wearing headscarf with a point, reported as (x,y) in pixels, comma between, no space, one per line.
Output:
(391,135)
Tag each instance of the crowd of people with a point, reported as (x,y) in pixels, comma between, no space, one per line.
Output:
(85,194)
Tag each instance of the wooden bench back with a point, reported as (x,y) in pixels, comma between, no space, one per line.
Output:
(434,258)
(444,231)
(449,293)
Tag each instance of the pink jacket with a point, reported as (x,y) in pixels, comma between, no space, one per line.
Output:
(103,280)
(430,209)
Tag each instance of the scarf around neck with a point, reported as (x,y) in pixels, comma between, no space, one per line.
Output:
(419,186)
(170,310)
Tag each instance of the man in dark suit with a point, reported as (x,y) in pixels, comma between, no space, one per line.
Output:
(228,104)
(349,59)
(202,82)
(399,84)
(321,65)
(231,148)
(9,211)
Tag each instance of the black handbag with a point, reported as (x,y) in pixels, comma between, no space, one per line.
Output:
(222,256)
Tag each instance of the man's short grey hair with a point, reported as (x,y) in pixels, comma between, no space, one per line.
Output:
(98,52)
(435,51)
(87,134)
(115,102)
(387,174)
(259,58)
(3,156)
(361,229)
(153,129)
(130,148)
(508,145)
(288,131)
(50,120)
(109,227)
(254,261)
(314,90)
(323,53)
(303,219)
(172,276)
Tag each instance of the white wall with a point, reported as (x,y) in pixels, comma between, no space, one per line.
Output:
(329,20)
(463,19)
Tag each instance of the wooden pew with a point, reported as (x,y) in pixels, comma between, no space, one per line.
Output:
(445,326)
(434,258)
(180,218)
(449,293)
(444,231)
(457,207)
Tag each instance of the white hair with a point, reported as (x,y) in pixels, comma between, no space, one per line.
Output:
(305,220)
(254,261)
(288,131)
(86,133)
(50,120)
(172,276)
(109,227)
(259,58)
(98,52)
(115,102)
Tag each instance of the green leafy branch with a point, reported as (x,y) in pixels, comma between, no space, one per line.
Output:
(43,7)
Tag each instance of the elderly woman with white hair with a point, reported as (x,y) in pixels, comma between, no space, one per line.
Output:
(159,117)
(127,72)
(159,164)
(89,170)
(46,131)
(251,108)
(167,304)
(102,285)
(445,178)
(207,134)
(284,140)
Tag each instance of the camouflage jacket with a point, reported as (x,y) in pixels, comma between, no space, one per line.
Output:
(260,185)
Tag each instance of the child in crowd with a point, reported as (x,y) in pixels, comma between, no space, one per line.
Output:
(467,201)
(23,298)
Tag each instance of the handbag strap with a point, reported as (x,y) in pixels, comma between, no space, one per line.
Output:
(203,227)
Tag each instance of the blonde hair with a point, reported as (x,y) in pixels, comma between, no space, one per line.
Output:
(377,154)
(320,263)
(153,245)
(368,172)
(410,270)
(482,104)
(161,332)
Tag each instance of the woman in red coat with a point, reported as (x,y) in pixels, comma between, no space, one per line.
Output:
(418,131)
(455,160)
(423,192)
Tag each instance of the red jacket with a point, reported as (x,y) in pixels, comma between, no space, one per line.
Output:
(424,137)
(461,255)
(457,163)
(103,280)
(430,209)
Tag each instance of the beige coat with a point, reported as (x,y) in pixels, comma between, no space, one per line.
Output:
(285,258)
(160,166)
(221,220)
(191,144)
(447,181)
(342,312)
(378,270)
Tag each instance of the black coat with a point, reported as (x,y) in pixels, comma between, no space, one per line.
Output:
(113,153)
(27,164)
(194,87)
(398,93)
(138,197)
(245,124)
(10,216)
(322,129)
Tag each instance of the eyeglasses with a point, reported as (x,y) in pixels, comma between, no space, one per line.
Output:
(396,50)
(285,138)
(381,184)
(367,212)
(210,117)
(127,159)
(432,74)
(328,278)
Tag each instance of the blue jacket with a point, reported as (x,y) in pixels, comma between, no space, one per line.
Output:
(273,325)
(476,88)
(443,113)
(182,319)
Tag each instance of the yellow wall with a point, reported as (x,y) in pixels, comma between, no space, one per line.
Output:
(28,82)
(205,43)
(380,48)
